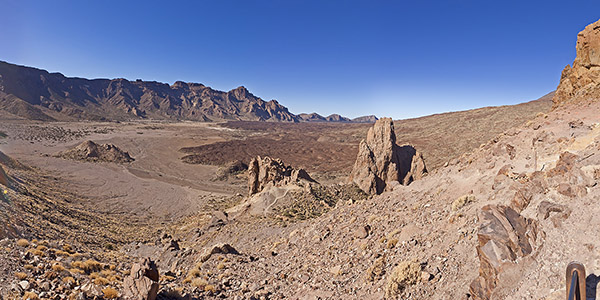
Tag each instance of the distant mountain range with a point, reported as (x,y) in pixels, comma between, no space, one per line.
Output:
(36,94)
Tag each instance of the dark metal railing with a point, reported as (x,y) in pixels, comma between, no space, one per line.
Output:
(575,281)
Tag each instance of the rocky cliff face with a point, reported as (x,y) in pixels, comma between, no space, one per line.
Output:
(37,94)
(582,80)
(265,170)
(380,161)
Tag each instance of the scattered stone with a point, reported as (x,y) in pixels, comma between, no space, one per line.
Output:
(362,231)
(381,161)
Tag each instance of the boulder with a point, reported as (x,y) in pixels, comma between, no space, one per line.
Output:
(142,282)
(265,170)
(381,161)
(583,78)
(504,237)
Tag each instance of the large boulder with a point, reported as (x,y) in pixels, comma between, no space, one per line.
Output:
(142,282)
(504,238)
(264,171)
(381,161)
(583,78)
(91,151)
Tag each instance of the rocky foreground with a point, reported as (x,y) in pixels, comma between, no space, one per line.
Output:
(500,222)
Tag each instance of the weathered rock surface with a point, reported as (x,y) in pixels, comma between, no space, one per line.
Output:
(3,177)
(90,151)
(215,249)
(583,78)
(381,161)
(504,236)
(142,282)
(265,170)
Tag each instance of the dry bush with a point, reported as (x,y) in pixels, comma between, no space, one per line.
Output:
(30,296)
(91,265)
(101,281)
(42,248)
(114,278)
(50,275)
(462,201)
(23,243)
(20,275)
(76,271)
(68,248)
(391,243)
(404,274)
(377,270)
(167,278)
(210,288)
(28,267)
(221,266)
(58,267)
(68,280)
(110,293)
(199,283)
(194,273)
(37,252)
(62,253)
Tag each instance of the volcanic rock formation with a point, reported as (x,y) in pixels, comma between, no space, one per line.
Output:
(504,236)
(381,161)
(583,78)
(264,171)
(90,151)
(142,282)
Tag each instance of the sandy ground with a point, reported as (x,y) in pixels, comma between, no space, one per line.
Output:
(157,183)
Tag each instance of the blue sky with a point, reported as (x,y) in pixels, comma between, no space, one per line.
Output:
(389,58)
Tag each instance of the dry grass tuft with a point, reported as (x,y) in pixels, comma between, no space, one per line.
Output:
(30,296)
(404,274)
(199,283)
(58,267)
(23,243)
(68,280)
(20,275)
(110,293)
(101,281)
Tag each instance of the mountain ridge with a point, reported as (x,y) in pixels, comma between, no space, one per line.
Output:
(37,94)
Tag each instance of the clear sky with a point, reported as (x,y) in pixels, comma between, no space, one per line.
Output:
(389,58)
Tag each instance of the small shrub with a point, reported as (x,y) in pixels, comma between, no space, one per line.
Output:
(23,243)
(37,252)
(391,243)
(62,253)
(199,283)
(167,278)
(210,288)
(21,275)
(42,248)
(377,270)
(462,201)
(110,293)
(221,266)
(50,275)
(91,265)
(58,267)
(30,296)
(68,280)
(76,271)
(29,267)
(194,273)
(404,274)
(101,281)
(68,248)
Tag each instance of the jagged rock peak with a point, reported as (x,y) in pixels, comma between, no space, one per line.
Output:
(265,170)
(582,80)
(380,161)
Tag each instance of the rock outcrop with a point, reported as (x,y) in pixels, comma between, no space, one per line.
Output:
(583,78)
(3,177)
(504,237)
(142,282)
(90,151)
(381,161)
(265,170)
